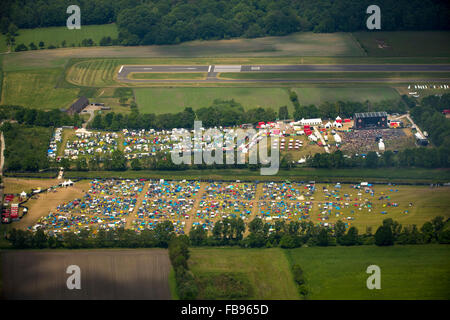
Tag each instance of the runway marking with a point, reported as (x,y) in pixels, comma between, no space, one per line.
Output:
(148,68)
(255,68)
(227,68)
(209,69)
(120,69)
(184,68)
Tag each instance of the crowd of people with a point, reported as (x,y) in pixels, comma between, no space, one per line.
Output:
(360,141)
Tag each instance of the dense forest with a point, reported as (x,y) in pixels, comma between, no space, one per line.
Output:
(26,147)
(167,22)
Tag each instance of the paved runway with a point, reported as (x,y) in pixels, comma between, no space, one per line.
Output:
(213,70)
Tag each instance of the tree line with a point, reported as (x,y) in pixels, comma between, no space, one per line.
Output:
(162,22)
(220,113)
(416,157)
(87,42)
(230,232)
(37,117)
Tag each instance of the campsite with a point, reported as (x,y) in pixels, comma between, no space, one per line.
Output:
(141,204)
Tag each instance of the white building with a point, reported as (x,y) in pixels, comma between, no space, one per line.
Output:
(311,122)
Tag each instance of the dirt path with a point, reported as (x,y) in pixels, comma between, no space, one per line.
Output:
(258,194)
(133,215)
(197,199)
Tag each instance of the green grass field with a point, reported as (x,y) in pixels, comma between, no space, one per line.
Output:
(405,43)
(407,272)
(267,269)
(164,100)
(36,89)
(55,35)
(320,95)
(396,175)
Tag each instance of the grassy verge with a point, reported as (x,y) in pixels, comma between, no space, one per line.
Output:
(173,285)
(395,175)
(45,175)
(407,272)
(332,75)
(266,270)
(168,75)
(320,95)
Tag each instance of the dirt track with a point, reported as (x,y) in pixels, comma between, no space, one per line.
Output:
(105,274)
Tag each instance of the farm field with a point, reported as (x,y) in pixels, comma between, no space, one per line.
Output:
(407,272)
(405,43)
(267,269)
(95,73)
(303,43)
(55,35)
(106,274)
(36,89)
(164,100)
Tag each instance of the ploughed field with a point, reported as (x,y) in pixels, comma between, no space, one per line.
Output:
(105,274)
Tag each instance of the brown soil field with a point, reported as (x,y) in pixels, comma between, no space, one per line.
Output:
(48,201)
(105,274)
